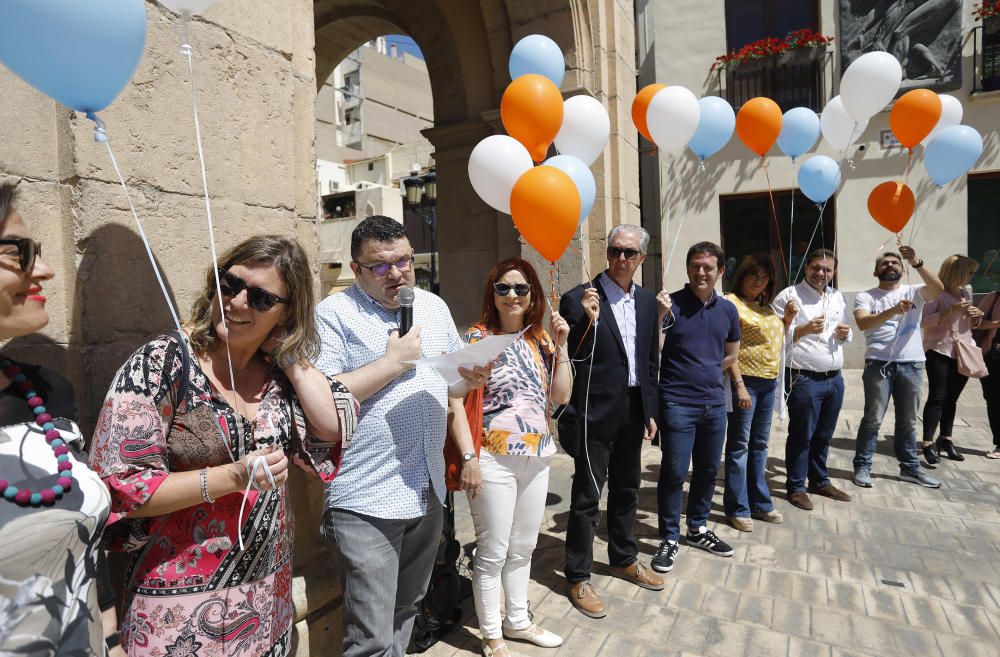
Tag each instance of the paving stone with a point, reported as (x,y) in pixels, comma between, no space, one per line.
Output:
(799,647)
(915,642)
(823,565)
(959,646)
(726,639)
(846,596)
(790,617)
(766,643)
(969,621)
(756,609)
(882,603)
(925,612)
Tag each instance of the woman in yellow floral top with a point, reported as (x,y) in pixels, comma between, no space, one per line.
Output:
(753,378)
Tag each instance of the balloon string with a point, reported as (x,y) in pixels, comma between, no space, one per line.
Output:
(186,51)
(663,234)
(812,237)
(791,225)
(101,136)
(774,216)
(909,161)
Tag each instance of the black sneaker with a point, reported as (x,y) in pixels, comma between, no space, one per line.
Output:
(663,560)
(708,541)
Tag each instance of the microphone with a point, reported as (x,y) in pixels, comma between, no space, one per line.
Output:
(405,299)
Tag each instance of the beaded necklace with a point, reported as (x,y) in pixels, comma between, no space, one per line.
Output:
(46,496)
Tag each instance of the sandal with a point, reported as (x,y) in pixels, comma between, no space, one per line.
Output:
(995,454)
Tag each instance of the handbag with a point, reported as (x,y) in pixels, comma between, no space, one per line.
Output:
(970,360)
(969,357)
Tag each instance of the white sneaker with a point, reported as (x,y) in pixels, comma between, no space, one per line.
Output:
(536,635)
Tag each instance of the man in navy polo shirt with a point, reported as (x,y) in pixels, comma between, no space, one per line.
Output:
(702,339)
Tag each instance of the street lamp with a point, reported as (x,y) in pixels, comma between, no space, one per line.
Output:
(421,196)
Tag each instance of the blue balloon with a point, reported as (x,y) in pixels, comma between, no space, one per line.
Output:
(80,53)
(819,178)
(537,54)
(715,126)
(952,152)
(799,131)
(582,177)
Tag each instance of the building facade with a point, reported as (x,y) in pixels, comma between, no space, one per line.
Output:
(728,201)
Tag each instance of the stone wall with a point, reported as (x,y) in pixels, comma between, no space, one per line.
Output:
(255,73)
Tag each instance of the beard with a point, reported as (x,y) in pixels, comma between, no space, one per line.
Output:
(890,275)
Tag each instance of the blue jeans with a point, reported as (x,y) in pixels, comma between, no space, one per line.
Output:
(746,451)
(689,432)
(901,381)
(813,408)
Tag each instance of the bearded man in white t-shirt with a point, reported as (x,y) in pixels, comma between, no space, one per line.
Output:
(890,315)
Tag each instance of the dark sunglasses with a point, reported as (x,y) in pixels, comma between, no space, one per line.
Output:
(503,289)
(27,251)
(615,252)
(258,299)
(380,269)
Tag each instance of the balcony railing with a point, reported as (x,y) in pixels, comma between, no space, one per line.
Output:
(794,79)
(986,61)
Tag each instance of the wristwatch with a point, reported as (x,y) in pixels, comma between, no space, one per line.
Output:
(918,265)
(468,456)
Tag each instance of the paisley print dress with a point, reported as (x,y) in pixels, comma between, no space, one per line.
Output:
(192,592)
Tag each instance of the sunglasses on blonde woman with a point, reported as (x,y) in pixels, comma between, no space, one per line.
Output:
(257,298)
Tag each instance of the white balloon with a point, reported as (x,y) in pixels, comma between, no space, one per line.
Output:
(838,128)
(672,118)
(951,114)
(494,166)
(585,129)
(869,84)
(189,6)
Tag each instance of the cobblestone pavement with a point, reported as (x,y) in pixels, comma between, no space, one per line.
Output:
(900,570)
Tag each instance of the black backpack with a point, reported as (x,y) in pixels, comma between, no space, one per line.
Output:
(440,610)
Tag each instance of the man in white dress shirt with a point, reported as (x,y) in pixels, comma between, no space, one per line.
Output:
(813,382)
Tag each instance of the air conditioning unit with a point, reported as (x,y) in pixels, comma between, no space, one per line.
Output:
(333,187)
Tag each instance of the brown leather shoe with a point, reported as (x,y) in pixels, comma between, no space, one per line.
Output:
(801,500)
(831,491)
(639,575)
(584,597)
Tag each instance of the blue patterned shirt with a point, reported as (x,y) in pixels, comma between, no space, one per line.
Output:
(396,454)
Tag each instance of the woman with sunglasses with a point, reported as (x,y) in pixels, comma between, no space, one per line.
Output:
(753,381)
(527,379)
(194,441)
(54,508)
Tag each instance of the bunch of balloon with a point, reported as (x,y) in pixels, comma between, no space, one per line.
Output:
(550,201)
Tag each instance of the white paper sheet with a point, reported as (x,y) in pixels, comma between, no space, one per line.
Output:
(476,354)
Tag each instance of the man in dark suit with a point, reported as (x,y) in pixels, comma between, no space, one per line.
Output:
(615,390)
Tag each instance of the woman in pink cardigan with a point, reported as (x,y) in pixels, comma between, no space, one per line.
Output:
(946,321)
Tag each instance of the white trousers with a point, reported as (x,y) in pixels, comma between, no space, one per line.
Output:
(507,515)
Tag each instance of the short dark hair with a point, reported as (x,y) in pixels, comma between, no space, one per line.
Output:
(822,254)
(711,249)
(376,228)
(8,192)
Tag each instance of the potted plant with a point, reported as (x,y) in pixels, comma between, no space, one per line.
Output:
(804,47)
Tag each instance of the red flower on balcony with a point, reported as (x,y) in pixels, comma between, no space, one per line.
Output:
(772,47)
(986,9)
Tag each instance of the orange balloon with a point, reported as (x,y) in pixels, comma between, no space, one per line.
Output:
(641,104)
(914,116)
(758,124)
(891,204)
(545,206)
(532,113)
